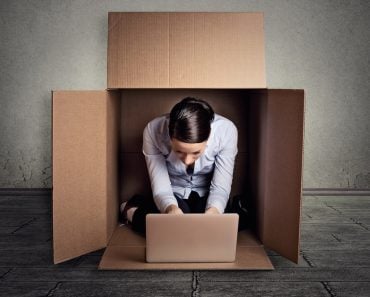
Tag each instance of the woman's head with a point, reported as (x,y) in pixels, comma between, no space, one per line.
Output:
(190,120)
(189,128)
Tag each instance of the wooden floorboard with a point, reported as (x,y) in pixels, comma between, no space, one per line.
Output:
(58,274)
(122,288)
(344,289)
(29,289)
(335,246)
(312,274)
(328,231)
(265,289)
(354,258)
(334,258)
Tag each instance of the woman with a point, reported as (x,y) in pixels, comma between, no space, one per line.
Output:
(190,157)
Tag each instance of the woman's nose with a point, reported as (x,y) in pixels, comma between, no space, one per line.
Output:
(188,160)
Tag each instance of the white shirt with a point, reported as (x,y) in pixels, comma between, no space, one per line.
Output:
(213,170)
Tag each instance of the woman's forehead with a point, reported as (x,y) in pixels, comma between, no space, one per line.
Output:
(185,147)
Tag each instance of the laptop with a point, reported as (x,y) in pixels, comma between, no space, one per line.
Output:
(191,237)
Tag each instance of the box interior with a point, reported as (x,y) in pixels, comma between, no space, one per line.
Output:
(137,108)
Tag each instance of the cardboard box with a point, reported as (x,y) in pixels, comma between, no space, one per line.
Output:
(97,135)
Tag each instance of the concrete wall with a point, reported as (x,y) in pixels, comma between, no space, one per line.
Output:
(321,46)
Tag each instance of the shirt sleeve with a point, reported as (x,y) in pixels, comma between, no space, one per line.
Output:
(158,173)
(224,166)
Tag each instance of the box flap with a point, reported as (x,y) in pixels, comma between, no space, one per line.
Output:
(126,251)
(187,50)
(282,163)
(82,214)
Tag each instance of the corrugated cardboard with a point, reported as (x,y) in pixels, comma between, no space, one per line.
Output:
(156,59)
(276,123)
(84,172)
(186,50)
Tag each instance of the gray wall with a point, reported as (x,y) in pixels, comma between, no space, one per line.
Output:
(320,46)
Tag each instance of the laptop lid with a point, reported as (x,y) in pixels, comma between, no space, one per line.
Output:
(191,237)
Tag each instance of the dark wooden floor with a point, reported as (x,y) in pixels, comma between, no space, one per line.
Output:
(335,259)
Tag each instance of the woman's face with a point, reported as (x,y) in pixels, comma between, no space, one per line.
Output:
(188,153)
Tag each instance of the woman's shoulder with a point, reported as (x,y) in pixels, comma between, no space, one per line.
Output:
(223,131)
(157,130)
(221,123)
(159,124)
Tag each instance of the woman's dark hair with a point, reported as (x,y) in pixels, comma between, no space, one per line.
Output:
(190,120)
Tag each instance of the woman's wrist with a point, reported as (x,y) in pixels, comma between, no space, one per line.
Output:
(212,210)
(171,208)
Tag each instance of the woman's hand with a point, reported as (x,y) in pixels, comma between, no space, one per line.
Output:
(174,209)
(212,210)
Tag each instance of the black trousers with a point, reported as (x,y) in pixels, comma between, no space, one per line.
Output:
(194,204)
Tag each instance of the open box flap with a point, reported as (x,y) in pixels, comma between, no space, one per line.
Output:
(282,163)
(84,181)
(186,50)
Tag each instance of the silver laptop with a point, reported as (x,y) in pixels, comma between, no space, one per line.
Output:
(191,237)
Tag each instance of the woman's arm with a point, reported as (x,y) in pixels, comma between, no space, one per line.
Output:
(223,172)
(158,173)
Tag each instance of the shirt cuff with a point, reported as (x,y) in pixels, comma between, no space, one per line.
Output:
(217,202)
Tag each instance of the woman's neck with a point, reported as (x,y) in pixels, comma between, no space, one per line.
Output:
(190,169)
